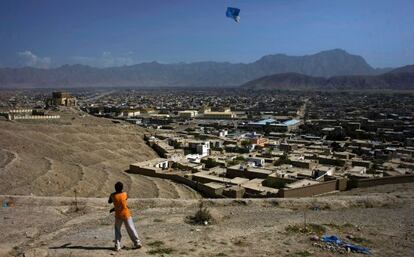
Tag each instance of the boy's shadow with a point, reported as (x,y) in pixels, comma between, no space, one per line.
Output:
(69,246)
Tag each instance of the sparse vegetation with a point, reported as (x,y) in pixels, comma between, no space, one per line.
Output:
(360,240)
(179,166)
(301,254)
(237,160)
(279,183)
(166,250)
(310,228)
(156,244)
(210,163)
(284,159)
(240,158)
(240,242)
(246,143)
(176,144)
(201,216)
(339,227)
(158,248)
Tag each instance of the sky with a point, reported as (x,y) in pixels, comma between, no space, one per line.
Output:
(102,33)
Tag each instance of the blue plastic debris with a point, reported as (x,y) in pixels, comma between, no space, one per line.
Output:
(357,249)
(331,239)
(339,242)
(233,13)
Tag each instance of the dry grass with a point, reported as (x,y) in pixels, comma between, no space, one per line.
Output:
(156,244)
(165,250)
(159,248)
(310,228)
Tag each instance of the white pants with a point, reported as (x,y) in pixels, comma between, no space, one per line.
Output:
(130,227)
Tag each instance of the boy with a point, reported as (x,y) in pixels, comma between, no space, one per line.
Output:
(122,215)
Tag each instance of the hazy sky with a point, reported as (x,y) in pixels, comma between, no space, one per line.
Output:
(106,33)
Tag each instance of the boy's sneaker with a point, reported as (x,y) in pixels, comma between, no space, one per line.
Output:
(117,246)
(137,245)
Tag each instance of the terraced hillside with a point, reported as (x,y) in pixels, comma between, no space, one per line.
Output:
(77,152)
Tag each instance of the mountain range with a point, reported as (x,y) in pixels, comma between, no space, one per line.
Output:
(329,63)
(397,79)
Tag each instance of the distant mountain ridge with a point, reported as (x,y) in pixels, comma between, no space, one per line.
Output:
(330,63)
(397,79)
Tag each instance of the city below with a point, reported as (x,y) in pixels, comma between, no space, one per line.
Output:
(239,143)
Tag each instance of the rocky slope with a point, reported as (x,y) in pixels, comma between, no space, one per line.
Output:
(398,79)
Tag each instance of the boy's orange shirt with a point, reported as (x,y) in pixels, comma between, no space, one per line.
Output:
(121,208)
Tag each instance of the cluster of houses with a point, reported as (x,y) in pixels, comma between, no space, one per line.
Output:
(269,144)
(253,165)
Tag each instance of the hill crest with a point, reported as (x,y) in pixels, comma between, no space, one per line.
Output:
(397,79)
(329,63)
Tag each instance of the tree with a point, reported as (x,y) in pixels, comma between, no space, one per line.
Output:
(176,144)
(210,163)
(335,146)
(284,159)
(246,143)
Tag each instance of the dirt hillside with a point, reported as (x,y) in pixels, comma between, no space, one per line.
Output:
(379,218)
(77,152)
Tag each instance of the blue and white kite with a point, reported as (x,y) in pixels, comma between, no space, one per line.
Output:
(233,13)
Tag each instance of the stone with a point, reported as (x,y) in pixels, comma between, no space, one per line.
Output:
(314,238)
(350,236)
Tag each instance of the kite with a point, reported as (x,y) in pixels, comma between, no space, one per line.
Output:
(233,13)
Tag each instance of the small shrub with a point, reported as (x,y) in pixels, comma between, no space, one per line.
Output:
(210,163)
(275,183)
(201,216)
(240,158)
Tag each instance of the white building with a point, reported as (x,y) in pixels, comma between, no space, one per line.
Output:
(188,114)
(130,113)
(223,133)
(257,162)
(161,163)
(194,158)
(203,149)
(200,147)
(323,170)
(358,170)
